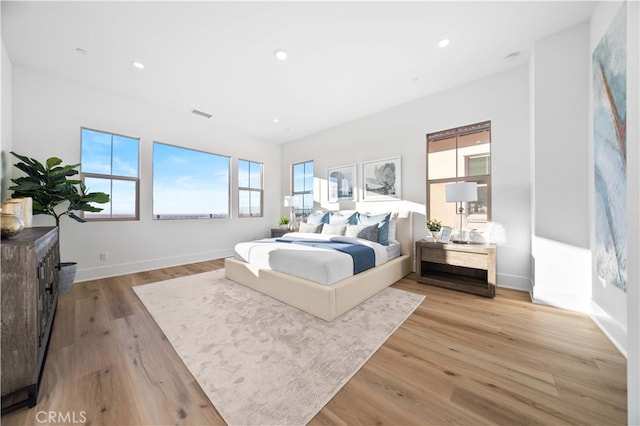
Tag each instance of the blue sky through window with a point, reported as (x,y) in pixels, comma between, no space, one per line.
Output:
(108,154)
(303,186)
(106,158)
(189,183)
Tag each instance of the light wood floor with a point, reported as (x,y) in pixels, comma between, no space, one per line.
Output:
(459,359)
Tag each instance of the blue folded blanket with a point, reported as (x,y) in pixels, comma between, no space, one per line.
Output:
(363,257)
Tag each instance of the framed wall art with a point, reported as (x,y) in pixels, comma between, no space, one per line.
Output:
(381,179)
(341,183)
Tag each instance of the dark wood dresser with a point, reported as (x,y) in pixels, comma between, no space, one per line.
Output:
(29,294)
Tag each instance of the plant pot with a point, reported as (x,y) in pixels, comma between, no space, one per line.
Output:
(66,276)
(436,235)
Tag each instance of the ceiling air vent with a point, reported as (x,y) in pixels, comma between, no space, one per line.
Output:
(201,113)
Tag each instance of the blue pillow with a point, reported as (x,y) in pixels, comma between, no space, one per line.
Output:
(383,225)
(343,219)
(318,217)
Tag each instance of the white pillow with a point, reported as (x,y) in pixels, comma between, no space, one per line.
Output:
(342,218)
(333,229)
(313,228)
(318,217)
(392,226)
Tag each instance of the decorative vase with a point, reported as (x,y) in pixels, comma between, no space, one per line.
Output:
(436,235)
(11,225)
(27,211)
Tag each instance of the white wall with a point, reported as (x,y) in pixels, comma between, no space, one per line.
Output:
(560,245)
(47,116)
(5,122)
(502,98)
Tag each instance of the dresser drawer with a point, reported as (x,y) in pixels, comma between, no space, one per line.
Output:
(456,258)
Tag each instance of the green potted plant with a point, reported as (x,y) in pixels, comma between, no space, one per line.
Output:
(434,226)
(284,222)
(55,194)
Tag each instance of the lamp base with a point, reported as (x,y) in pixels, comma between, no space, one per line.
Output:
(460,242)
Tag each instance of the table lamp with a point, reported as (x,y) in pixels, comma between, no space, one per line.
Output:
(291,201)
(460,193)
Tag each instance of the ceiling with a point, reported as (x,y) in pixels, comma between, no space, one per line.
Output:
(345,60)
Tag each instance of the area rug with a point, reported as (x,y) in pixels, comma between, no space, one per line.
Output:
(263,362)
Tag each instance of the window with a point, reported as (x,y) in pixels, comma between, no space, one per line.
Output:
(249,189)
(189,184)
(462,154)
(302,184)
(110,164)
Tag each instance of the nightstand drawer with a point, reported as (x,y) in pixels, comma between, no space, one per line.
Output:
(456,258)
(463,267)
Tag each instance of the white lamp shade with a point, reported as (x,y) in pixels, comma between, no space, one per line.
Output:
(458,192)
(290,201)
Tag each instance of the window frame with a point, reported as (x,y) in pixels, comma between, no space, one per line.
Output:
(184,217)
(112,177)
(250,189)
(301,211)
(480,179)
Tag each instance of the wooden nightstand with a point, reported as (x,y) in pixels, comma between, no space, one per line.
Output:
(279,232)
(464,267)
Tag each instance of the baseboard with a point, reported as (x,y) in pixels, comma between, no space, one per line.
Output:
(515,282)
(571,301)
(88,274)
(615,331)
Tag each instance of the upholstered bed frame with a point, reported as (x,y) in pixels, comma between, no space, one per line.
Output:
(328,301)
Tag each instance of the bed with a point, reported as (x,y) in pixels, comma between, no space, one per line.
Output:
(328,301)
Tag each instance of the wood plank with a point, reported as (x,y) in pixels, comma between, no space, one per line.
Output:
(118,302)
(63,331)
(106,398)
(161,383)
(94,345)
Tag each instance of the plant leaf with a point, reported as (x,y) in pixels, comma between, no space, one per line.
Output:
(52,162)
(76,218)
(96,197)
(35,164)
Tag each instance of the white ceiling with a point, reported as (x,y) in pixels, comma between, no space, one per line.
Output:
(346,59)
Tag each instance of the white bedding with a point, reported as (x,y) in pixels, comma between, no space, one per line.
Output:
(393,249)
(314,264)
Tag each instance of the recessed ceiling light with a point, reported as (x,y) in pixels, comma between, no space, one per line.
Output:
(81,51)
(275,120)
(444,42)
(280,54)
(138,65)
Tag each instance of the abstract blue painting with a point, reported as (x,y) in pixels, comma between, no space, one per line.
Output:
(610,152)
